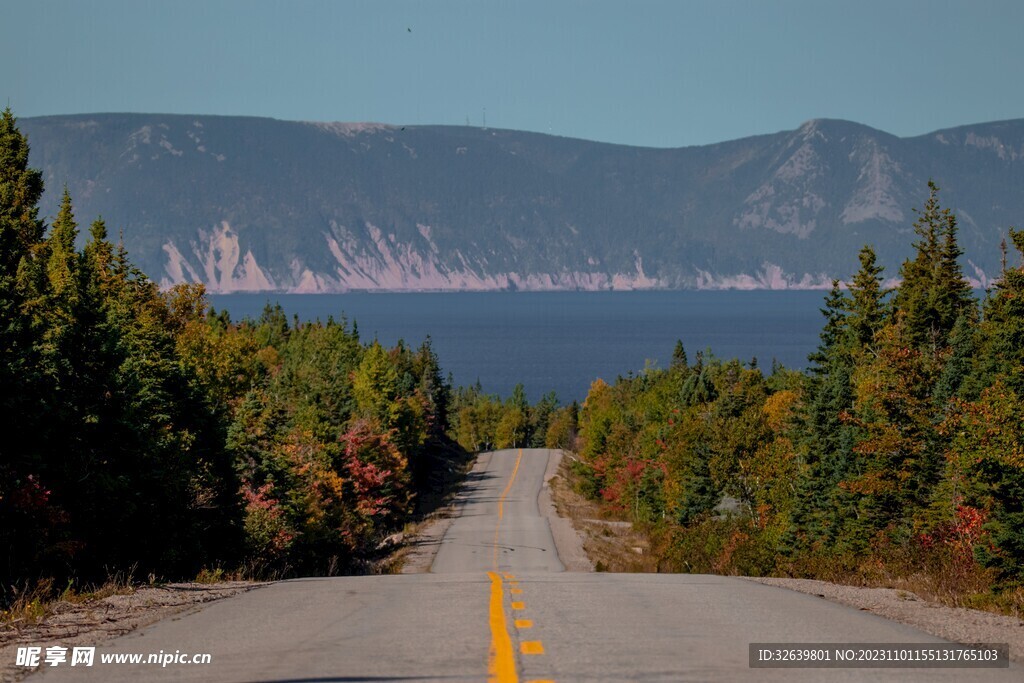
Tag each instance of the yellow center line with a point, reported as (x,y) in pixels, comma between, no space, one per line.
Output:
(501,510)
(508,486)
(502,664)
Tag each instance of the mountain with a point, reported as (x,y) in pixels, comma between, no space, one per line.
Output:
(251,204)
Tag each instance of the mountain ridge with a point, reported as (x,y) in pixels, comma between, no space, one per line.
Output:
(255,204)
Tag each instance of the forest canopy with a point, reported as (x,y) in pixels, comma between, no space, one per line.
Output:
(146,432)
(899,453)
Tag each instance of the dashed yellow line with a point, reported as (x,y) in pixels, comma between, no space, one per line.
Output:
(502,664)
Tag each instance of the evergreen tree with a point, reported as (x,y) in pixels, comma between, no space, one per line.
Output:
(826,438)
(834,334)
(433,386)
(679,355)
(867,303)
(959,366)
(20,190)
(24,526)
(1002,328)
(63,293)
(540,418)
(933,293)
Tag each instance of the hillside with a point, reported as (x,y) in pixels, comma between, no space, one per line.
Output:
(249,204)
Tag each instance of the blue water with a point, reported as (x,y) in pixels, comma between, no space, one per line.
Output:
(562,341)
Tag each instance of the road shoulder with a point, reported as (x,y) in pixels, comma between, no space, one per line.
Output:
(957,624)
(568,541)
(96,621)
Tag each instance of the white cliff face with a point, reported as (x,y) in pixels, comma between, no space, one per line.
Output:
(218,260)
(770,276)
(396,266)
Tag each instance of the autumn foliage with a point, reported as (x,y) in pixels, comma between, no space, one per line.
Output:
(899,453)
(146,432)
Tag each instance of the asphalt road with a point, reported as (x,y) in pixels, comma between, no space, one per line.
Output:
(499,606)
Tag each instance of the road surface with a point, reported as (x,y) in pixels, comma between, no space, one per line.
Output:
(498,605)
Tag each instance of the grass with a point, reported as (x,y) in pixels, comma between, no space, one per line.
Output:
(28,604)
(208,576)
(32,602)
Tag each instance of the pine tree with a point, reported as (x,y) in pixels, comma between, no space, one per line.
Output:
(679,355)
(834,334)
(25,527)
(933,293)
(540,418)
(958,368)
(1002,328)
(62,272)
(827,440)
(867,304)
(20,190)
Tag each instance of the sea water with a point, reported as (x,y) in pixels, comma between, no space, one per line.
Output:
(562,341)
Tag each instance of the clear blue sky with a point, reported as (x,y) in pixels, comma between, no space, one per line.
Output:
(650,73)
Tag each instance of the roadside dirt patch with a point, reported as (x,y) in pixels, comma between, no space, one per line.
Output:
(612,544)
(96,621)
(568,539)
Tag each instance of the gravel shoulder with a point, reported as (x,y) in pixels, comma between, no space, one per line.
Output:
(96,621)
(568,542)
(957,624)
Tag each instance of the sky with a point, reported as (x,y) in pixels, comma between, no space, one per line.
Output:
(642,72)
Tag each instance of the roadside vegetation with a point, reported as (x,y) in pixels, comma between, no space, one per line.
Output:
(147,434)
(897,459)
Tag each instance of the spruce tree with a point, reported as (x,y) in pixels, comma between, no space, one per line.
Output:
(21,388)
(834,334)
(827,441)
(958,368)
(679,359)
(20,190)
(62,272)
(1002,329)
(933,293)
(867,303)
